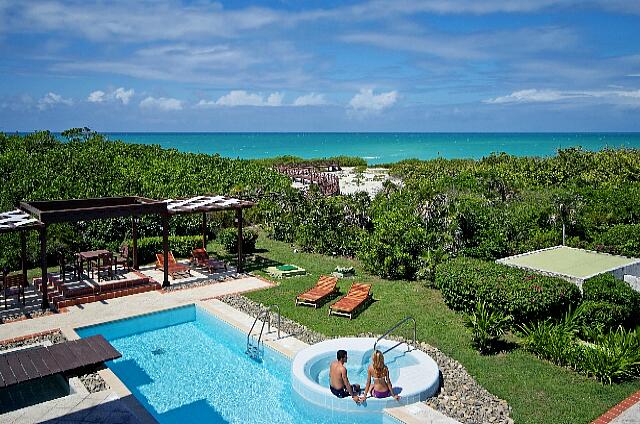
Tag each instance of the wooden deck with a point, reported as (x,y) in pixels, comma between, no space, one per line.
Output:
(31,363)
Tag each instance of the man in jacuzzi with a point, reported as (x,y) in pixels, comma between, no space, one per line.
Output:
(338,380)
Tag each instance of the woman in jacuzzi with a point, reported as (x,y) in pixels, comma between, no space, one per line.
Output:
(379,372)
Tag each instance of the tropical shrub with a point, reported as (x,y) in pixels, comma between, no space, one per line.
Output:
(486,327)
(181,246)
(603,316)
(228,237)
(553,341)
(621,239)
(393,249)
(612,357)
(607,288)
(525,296)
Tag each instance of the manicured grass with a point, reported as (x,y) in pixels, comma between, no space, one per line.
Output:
(537,391)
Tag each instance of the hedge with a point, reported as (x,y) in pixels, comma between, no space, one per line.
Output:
(228,237)
(604,315)
(607,288)
(525,296)
(181,246)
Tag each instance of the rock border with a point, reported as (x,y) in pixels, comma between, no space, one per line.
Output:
(459,397)
(92,381)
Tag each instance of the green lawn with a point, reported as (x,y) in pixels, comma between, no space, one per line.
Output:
(537,391)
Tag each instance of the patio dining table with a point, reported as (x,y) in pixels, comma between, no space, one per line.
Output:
(89,256)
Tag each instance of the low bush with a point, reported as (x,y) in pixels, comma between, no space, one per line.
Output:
(228,237)
(612,357)
(526,297)
(181,246)
(487,326)
(604,316)
(553,341)
(607,288)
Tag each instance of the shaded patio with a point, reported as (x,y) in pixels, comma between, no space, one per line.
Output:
(38,215)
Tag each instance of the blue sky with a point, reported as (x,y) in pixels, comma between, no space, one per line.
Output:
(302,65)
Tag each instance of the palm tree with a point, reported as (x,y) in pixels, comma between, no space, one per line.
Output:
(566,207)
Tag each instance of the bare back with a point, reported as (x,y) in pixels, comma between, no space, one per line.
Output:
(337,373)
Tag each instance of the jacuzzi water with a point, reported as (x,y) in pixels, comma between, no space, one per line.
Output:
(414,374)
(185,365)
(357,364)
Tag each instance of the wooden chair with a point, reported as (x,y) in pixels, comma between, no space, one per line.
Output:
(67,265)
(358,295)
(105,264)
(200,257)
(13,285)
(325,287)
(122,257)
(174,267)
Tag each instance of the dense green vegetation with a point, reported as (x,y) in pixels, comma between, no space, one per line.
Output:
(465,282)
(39,167)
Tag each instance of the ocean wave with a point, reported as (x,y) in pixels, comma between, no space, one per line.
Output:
(370,157)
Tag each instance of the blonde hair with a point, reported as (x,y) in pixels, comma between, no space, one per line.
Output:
(377,360)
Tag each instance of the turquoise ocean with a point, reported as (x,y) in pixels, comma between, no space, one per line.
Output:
(379,148)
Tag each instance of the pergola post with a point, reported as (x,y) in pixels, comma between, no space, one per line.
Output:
(43,266)
(23,253)
(239,222)
(165,248)
(134,237)
(204,230)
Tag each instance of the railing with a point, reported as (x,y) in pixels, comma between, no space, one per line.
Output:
(392,329)
(265,314)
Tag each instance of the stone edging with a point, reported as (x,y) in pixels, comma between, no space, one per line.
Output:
(460,396)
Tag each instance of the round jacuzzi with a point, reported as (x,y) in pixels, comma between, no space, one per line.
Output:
(414,374)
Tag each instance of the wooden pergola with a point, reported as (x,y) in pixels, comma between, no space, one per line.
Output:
(45,213)
(19,221)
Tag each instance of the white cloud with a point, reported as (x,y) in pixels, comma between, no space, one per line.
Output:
(541,96)
(161,103)
(243,98)
(124,95)
(240,98)
(367,102)
(96,96)
(121,94)
(530,96)
(311,99)
(275,99)
(52,99)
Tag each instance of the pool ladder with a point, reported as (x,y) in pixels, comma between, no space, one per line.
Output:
(253,343)
(392,329)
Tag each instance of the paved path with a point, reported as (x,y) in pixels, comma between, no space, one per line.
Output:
(626,412)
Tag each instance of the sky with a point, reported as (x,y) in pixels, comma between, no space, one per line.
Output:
(303,65)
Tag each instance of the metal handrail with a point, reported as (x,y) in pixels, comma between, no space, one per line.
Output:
(264,312)
(389,331)
(270,309)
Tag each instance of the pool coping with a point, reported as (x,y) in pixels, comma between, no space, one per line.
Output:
(287,345)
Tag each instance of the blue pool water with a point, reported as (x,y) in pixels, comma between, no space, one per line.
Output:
(185,365)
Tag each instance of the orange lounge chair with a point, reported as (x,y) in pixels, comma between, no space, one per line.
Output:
(325,287)
(174,267)
(358,295)
(200,257)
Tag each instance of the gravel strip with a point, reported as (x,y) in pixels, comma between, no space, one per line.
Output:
(460,396)
(200,283)
(92,381)
(20,315)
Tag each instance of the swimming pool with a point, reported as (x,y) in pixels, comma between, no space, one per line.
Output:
(185,365)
